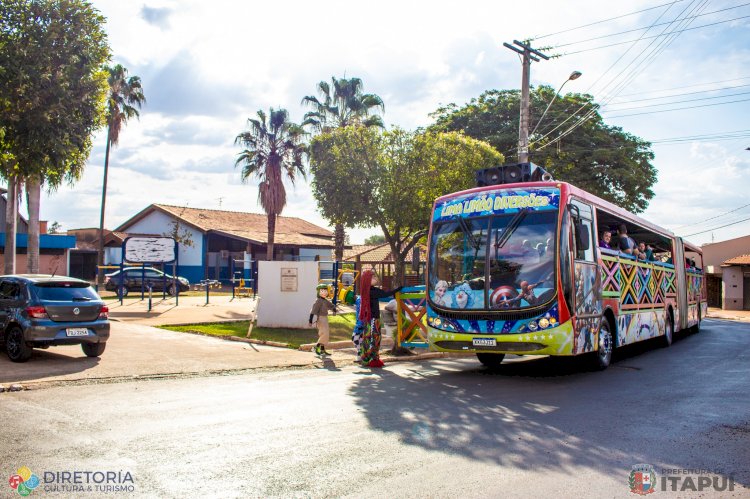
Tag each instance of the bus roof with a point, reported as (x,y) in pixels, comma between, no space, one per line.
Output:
(571,189)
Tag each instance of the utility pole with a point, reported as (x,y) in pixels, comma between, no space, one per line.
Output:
(523,129)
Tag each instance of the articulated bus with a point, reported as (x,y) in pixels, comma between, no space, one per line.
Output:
(516,267)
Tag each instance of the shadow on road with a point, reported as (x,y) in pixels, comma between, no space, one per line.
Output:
(654,405)
(45,364)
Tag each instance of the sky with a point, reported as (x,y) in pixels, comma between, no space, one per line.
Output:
(206,67)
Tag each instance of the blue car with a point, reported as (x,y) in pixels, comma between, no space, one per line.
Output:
(39,311)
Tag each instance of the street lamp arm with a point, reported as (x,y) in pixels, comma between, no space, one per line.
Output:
(573,76)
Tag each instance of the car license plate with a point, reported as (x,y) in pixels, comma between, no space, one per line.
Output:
(484,342)
(77,331)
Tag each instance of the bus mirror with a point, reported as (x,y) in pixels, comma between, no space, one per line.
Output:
(583,239)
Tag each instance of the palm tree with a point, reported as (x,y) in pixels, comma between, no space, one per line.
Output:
(343,104)
(124,96)
(273,150)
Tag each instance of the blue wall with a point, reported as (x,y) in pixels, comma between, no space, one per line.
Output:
(45,241)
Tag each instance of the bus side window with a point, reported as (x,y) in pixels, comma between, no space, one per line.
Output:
(583,241)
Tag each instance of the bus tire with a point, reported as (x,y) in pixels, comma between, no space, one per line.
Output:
(697,327)
(666,340)
(603,355)
(491,360)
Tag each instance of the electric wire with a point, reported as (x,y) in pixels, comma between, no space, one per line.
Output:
(713,218)
(673,102)
(639,68)
(600,78)
(646,92)
(638,29)
(676,109)
(654,36)
(604,20)
(716,228)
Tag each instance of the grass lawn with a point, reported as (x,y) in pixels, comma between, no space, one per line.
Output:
(341,329)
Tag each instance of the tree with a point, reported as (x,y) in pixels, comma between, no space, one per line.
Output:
(54,228)
(52,89)
(343,104)
(395,178)
(273,151)
(124,98)
(601,159)
(375,239)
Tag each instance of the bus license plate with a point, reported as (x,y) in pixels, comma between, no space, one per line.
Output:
(77,331)
(484,342)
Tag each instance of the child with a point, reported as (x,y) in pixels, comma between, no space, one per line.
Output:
(320,308)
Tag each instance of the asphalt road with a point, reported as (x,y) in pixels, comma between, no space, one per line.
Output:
(444,428)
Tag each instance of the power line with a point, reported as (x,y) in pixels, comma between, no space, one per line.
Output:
(638,29)
(655,36)
(721,89)
(674,102)
(590,112)
(712,218)
(604,20)
(646,92)
(677,109)
(647,59)
(716,228)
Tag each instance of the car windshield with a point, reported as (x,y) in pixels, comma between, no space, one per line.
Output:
(501,262)
(65,291)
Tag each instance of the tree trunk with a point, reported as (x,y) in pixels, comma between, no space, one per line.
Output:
(339,236)
(11,219)
(399,276)
(100,256)
(33,196)
(271,232)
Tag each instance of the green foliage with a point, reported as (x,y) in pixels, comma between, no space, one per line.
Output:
(343,104)
(124,98)
(601,159)
(367,178)
(273,151)
(375,239)
(53,86)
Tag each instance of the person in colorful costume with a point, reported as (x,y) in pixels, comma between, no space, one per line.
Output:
(369,314)
(320,308)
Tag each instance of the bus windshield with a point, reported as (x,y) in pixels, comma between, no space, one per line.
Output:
(501,262)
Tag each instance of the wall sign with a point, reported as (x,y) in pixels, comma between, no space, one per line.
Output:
(150,249)
(288,279)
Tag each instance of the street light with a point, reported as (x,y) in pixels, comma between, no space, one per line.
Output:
(573,76)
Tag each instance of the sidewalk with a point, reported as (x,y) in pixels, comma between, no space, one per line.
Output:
(732,315)
(191,310)
(137,350)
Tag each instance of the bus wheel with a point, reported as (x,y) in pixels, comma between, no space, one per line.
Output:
(668,333)
(491,360)
(697,327)
(606,345)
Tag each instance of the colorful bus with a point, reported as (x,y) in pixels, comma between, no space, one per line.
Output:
(515,267)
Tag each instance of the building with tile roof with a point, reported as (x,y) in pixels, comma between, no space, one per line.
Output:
(216,242)
(727,266)
(380,258)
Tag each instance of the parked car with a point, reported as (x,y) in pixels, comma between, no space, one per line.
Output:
(39,311)
(133,280)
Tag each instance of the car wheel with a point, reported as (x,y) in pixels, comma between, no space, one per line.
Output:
(15,345)
(93,349)
(123,292)
(603,356)
(668,333)
(491,360)
(172,290)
